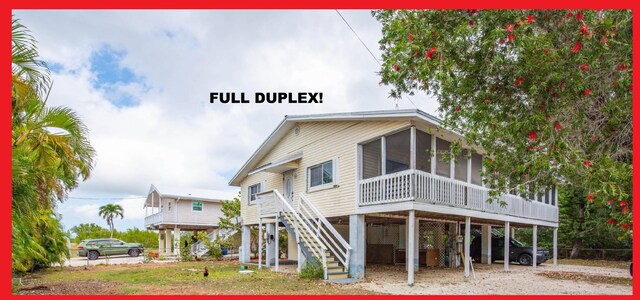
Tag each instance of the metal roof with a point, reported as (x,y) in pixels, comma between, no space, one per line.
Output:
(166,191)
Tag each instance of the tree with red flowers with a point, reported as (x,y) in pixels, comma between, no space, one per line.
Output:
(546,93)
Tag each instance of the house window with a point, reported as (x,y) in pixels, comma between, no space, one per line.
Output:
(196,206)
(398,151)
(476,169)
(460,167)
(443,167)
(371,159)
(321,174)
(253,191)
(169,206)
(423,151)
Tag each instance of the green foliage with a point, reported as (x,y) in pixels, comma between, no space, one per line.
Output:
(132,235)
(50,153)
(311,271)
(545,93)
(231,211)
(109,212)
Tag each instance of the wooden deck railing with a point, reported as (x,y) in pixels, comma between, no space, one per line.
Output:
(420,186)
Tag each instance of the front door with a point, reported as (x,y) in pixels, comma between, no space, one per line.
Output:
(288,186)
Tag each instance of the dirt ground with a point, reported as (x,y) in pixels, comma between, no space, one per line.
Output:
(491,279)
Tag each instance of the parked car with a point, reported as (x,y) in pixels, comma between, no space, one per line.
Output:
(518,251)
(95,248)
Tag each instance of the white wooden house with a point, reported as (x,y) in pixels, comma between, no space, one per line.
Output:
(178,209)
(373,187)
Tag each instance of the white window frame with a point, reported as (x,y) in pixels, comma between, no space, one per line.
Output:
(328,185)
(201,206)
(259,184)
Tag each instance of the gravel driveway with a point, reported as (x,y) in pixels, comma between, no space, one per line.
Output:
(112,260)
(491,279)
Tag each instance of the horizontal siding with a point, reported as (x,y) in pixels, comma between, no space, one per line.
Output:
(210,214)
(320,142)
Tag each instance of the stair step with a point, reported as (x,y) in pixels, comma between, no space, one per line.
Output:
(337,275)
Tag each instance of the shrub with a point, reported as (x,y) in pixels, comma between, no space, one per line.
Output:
(312,271)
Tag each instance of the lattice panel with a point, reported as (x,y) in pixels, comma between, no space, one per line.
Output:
(432,235)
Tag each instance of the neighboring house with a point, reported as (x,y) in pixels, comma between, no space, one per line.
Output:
(363,188)
(175,209)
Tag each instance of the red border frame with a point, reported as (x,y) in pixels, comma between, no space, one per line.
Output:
(5,107)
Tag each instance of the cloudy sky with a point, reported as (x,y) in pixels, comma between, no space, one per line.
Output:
(141,80)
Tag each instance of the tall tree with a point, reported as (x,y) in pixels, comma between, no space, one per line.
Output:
(545,93)
(50,153)
(109,212)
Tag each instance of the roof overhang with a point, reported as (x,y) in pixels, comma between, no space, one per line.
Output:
(289,162)
(289,122)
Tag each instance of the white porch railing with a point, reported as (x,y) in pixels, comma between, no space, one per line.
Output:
(420,186)
(153,219)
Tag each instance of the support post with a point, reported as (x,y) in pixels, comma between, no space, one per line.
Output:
(535,246)
(555,246)
(270,251)
(507,239)
(277,240)
(486,244)
(416,247)
(411,241)
(167,241)
(245,255)
(176,241)
(433,154)
(161,238)
(357,241)
(467,245)
(260,244)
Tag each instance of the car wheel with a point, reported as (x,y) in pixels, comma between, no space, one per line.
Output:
(134,252)
(525,259)
(93,255)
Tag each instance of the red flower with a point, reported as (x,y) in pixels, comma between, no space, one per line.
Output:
(611,221)
(576,47)
(547,116)
(396,67)
(472,11)
(457,109)
(539,148)
(587,92)
(623,203)
(614,84)
(532,136)
(530,148)
(593,138)
(569,15)
(558,126)
(604,40)
(554,95)
(625,225)
(584,29)
(579,16)
(587,163)
(410,37)
(545,51)
(541,107)
(430,53)
(501,41)
(510,37)
(625,210)
(509,27)
(470,23)
(530,19)
(622,67)
(584,67)
(590,198)
(519,81)
(611,201)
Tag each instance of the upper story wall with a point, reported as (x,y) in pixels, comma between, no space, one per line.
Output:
(319,142)
(181,212)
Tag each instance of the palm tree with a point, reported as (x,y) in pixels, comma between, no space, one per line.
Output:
(50,153)
(110,211)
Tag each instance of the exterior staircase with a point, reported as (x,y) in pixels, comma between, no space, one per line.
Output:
(318,240)
(199,249)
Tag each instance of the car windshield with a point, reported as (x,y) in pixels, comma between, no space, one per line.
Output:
(518,243)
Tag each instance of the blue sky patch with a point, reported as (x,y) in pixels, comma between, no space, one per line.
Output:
(54,67)
(106,64)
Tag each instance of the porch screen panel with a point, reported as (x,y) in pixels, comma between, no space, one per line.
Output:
(461,166)
(398,150)
(476,169)
(371,159)
(423,151)
(442,167)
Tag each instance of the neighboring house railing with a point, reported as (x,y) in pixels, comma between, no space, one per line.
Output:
(199,248)
(153,219)
(171,217)
(420,186)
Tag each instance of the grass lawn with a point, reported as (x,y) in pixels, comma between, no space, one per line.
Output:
(174,278)
(595,263)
